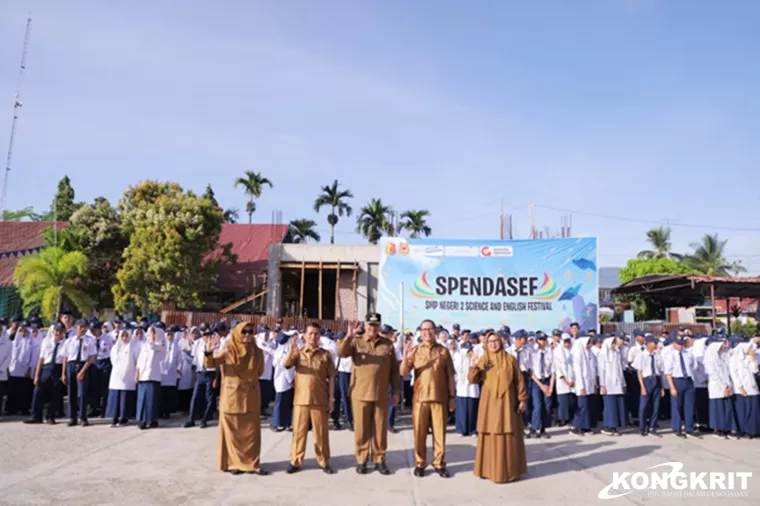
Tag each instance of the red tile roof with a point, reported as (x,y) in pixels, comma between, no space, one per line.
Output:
(19,236)
(249,242)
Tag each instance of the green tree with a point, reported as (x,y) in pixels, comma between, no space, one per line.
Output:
(25,214)
(647,308)
(60,237)
(231,215)
(374,221)
(709,257)
(47,280)
(97,232)
(253,183)
(659,239)
(209,194)
(63,202)
(173,257)
(302,230)
(335,199)
(415,222)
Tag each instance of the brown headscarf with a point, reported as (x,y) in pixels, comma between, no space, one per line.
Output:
(495,380)
(238,354)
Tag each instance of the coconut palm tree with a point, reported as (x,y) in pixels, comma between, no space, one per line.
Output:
(231,215)
(374,220)
(709,257)
(48,279)
(302,230)
(335,199)
(414,221)
(253,183)
(659,238)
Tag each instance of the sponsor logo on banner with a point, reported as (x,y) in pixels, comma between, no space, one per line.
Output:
(496,251)
(485,251)
(676,483)
(434,251)
(460,251)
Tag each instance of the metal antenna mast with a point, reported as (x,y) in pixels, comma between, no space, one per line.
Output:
(16,108)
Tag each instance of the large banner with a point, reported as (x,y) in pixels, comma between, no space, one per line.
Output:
(532,284)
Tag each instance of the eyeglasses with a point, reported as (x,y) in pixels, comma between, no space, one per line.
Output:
(247,332)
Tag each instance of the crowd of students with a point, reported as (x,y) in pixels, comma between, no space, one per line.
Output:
(148,372)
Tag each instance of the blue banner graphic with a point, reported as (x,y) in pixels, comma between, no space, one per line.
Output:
(533,284)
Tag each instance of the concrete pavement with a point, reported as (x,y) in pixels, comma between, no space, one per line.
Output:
(101,465)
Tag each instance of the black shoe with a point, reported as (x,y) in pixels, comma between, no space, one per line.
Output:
(292,469)
(189,424)
(235,472)
(143,426)
(73,423)
(381,468)
(393,430)
(203,425)
(260,472)
(544,435)
(443,472)
(695,434)
(51,421)
(643,432)
(576,432)
(85,423)
(419,472)
(680,434)
(328,470)
(33,421)
(153,425)
(361,469)
(123,422)
(337,426)
(530,434)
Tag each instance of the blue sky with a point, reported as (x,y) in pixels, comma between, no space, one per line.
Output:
(636,109)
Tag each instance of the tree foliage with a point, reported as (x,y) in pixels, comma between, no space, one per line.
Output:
(47,280)
(374,221)
(415,222)
(646,308)
(337,200)
(253,184)
(302,230)
(172,256)
(63,206)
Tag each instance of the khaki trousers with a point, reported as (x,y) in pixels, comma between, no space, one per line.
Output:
(425,414)
(318,417)
(370,425)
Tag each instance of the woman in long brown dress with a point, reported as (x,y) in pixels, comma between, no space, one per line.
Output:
(242,363)
(500,455)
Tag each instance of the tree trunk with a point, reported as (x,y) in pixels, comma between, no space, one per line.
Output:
(332,234)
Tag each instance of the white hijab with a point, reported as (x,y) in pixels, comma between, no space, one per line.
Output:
(739,353)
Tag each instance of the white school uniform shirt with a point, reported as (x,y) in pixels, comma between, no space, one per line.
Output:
(583,368)
(716,365)
(664,351)
(199,355)
(71,350)
(124,365)
(535,363)
(634,351)
(103,346)
(698,350)
(186,362)
(267,347)
(170,364)
(479,350)
(38,337)
(48,347)
(345,364)
(5,356)
(610,363)
(523,356)
(283,378)
(563,368)
(743,370)
(673,364)
(643,364)
(326,344)
(22,356)
(461,369)
(152,353)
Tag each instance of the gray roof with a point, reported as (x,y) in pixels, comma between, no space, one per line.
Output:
(608,277)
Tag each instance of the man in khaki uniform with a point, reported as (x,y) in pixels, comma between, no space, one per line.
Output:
(313,399)
(374,368)
(434,396)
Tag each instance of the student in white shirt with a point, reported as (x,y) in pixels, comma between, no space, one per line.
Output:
(20,369)
(48,388)
(79,353)
(170,369)
(564,380)
(122,387)
(186,381)
(468,394)
(282,413)
(612,386)
(744,367)
(648,366)
(204,393)
(344,368)
(542,385)
(679,369)
(719,388)
(100,372)
(148,377)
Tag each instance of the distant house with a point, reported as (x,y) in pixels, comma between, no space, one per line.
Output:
(249,242)
(608,280)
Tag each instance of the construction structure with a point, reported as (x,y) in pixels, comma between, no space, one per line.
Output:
(321,281)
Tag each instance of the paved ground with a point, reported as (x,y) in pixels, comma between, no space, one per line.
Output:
(101,465)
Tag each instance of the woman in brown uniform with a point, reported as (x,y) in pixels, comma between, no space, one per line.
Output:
(500,456)
(242,363)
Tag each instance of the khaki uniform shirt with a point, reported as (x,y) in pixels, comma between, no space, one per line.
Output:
(433,373)
(375,367)
(314,369)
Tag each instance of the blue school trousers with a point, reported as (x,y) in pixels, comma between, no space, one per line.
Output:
(466,415)
(682,407)
(614,414)
(649,404)
(541,417)
(282,415)
(77,391)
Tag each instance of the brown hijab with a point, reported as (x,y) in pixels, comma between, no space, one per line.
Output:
(496,377)
(238,353)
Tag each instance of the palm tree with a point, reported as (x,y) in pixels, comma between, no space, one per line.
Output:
(59,237)
(335,199)
(231,215)
(302,230)
(24,214)
(708,257)
(415,222)
(659,238)
(253,183)
(374,220)
(47,279)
